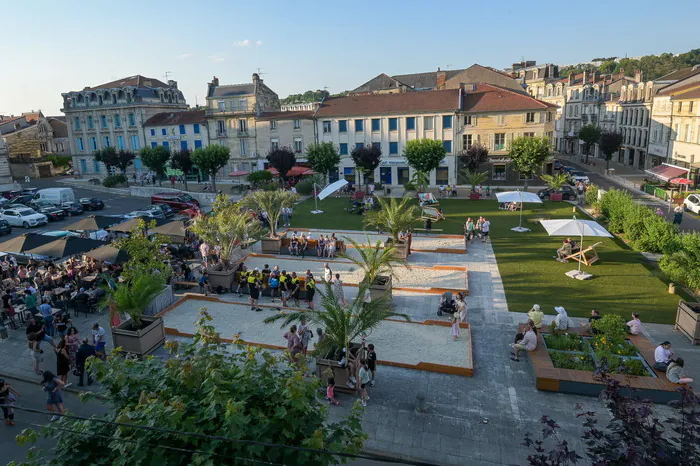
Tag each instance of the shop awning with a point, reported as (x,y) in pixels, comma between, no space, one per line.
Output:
(296,170)
(665,172)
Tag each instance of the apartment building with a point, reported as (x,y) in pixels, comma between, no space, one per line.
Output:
(112,115)
(176,131)
(543,83)
(292,129)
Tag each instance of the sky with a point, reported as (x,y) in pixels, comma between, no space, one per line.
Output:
(53,47)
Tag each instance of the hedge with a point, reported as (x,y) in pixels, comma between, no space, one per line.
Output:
(113,180)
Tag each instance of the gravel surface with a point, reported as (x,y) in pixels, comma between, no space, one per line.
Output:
(430,243)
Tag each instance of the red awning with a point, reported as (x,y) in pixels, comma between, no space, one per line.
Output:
(294,171)
(239,173)
(665,172)
(680,181)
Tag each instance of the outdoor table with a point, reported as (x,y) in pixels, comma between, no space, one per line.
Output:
(90,278)
(54,311)
(59,291)
(21,309)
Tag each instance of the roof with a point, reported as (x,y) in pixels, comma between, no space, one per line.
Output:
(138,81)
(491,98)
(60,127)
(666,172)
(176,118)
(232,90)
(689,94)
(678,75)
(293,115)
(424,80)
(677,88)
(403,102)
(578,78)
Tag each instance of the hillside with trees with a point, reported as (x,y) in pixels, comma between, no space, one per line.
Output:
(653,66)
(310,96)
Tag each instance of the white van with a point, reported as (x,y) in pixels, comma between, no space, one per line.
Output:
(56,196)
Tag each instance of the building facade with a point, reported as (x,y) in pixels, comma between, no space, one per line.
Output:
(292,129)
(113,114)
(543,83)
(231,118)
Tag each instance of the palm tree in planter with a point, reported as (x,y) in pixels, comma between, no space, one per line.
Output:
(394,216)
(271,202)
(474,178)
(140,334)
(377,263)
(556,181)
(342,326)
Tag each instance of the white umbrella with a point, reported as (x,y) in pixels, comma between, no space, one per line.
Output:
(325,192)
(575,227)
(519,196)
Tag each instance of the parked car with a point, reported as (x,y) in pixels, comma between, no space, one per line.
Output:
(5,228)
(53,213)
(92,203)
(56,196)
(25,217)
(72,208)
(692,203)
(145,213)
(14,205)
(178,201)
(568,193)
(11,194)
(29,191)
(3,201)
(23,199)
(164,208)
(577,176)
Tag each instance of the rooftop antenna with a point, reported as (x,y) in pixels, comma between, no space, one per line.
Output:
(260,72)
(447,67)
(167,75)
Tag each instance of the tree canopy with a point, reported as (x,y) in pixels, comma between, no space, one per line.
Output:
(610,142)
(474,156)
(307,97)
(589,134)
(282,159)
(115,159)
(425,154)
(528,154)
(182,161)
(366,158)
(323,157)
(211,159)
(156,158)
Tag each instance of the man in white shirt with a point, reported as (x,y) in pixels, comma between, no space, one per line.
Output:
(204,251)
(485,227)
(662,356)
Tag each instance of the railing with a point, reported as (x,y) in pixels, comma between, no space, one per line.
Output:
(242,133)
(220,133)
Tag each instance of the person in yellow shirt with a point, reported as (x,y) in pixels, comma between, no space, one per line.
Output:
(310,290)
(536,315)
(254,286)
(296,288)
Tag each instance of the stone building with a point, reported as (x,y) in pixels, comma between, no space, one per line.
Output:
(543,83)
(61,143)
(29,139)
(231,117)
(112,115)
(5,175)
(293,129)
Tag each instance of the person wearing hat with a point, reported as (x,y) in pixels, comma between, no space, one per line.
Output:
(562,321)
(536,315)
(663,355)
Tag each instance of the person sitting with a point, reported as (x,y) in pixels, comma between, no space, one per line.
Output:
(675,372)
(447,304)
(528,342)
(428,225)
(562,321)
(564,251)
(536,315)
(663,356)
(595,315)
(634,326)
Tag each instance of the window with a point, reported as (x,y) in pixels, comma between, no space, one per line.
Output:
(342,126)
(428,123)
(690,106)
(402,175)
(411,123)
(42,146)
(393,148)
(498,172)
(222,106)
(153,132)
(164,131)
(96,166)
(529,135)
(467,140)
(120,142)
(680,106)
(446,121)
(359,126)
(327,126)
(447,145)
(377,145)
(360,145)
(103,121)
(242,105)
(105,141)
(442,175)
(132,119)
(198,143)
(385,175)
(499,141)
(376,124)
(468,121)
(688,133)
(549,117)
(117,121)
(393,124)
(676,133)
(273,125)
(530,117)
(91,124)
(349,174)
(501,119)
(182,129)
(243,143)
(183,145)
(243,126)
(343,148)
(196,128)
(166,144)
(76,122)
(154,145)
(135,142)
(81,144)
(298,146)
(274,143)
(297,124)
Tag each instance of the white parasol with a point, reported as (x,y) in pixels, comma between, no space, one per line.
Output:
(519,196)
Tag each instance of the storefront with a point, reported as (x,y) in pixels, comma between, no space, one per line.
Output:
(394,171)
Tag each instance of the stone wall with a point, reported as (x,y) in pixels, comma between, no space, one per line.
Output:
(160,302)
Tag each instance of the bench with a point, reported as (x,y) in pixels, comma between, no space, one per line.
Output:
(431,230)
(588,256)
(310,250)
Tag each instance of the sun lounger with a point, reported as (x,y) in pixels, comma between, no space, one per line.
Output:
(588,256)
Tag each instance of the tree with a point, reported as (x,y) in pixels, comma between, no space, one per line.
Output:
(307,97)
(271,202)
(424,156)
(474,156)
(367,159)
(420,180)
(115,159)
(133,297)
(182,161)
(259,176)
(474,178)
(146,257)
(282,159)
(323,157)
(211,405)
(555,181)
(210,160)
(393,216)
(589,134)
(528,155)
(373,259)
(156,158)
(610,142)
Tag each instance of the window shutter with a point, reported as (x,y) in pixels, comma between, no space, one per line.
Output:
(524,118)
(474,120)
(491,141)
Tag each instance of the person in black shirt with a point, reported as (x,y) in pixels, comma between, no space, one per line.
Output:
(8,308)
(85,351)
(595,315)
(372,362)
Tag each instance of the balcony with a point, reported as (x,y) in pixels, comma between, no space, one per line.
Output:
(228,111)
(242,133)
(220,133)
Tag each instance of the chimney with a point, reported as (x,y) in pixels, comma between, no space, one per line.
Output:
(256,78)
(572,78)
(596,76)
(585,76)
(441,77)
(214,81)
(638,75)
(172,83)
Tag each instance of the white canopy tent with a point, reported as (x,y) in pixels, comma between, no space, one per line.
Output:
(327,191)
(519,196)
(575,227)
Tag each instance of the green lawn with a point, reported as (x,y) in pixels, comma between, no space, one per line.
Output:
(623,283)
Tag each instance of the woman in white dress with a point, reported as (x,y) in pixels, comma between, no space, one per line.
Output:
(338,290)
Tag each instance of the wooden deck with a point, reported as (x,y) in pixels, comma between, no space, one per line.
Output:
(550,378)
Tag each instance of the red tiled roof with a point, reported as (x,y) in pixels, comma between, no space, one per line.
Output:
(292,115)
(689,94)
(176,118)
(132,81)
(679,89)
(490,98)
(403,102)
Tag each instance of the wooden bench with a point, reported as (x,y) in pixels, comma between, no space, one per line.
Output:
(310,250)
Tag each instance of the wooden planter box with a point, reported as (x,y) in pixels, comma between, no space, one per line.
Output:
(222,278)
(381,287)
(271,245)
(556,197)
(143,341)
(401,249)
(688,320)
(340,375)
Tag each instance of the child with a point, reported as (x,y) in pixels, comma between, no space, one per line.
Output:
(455,326)
(372,362)
(330,392)
(364,380)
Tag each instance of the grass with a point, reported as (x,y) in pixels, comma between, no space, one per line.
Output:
(623,281)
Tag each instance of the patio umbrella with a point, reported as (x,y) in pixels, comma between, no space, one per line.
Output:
(681,181)
(519,196)
(109,254)
(238,173)
(25,242)
(296,170)
(93,223)
(174,229)
(129,225)
(575,227)
(66,246)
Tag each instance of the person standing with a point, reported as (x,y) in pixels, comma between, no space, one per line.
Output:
(485,227)
(85,351)
(461,304)
(372,362)
(53,387)
(678,215)
(8,396)
(30,303)
(310,290)
(293,343)
(305,335)
(204,251)
(455,326)
(98,339)
(254,286)
(338,290)
(296,288)
(327,273)
(62,362)
(274,282)
(365,379)
(73,343)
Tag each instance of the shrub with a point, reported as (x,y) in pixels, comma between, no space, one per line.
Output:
(634,219)
(578,362)
(409,186)
(305,187)
(269,186)
(260,176)
(591,196)
(114,180)
(658,235)
(681,262)
(614,206)
(59,160)
(612,326)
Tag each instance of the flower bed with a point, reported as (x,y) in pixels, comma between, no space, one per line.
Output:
(579,362)
(566,342)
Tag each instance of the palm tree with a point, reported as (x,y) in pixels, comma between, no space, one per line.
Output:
(421,180)
(271,202)
(393,216)
(555,181)
(133,297)
(375,261)
(474,178)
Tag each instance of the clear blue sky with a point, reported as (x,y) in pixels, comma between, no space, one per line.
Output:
(52,47)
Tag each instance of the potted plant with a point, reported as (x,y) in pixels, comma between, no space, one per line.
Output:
(227,229)
(688,320)
(272,203)
(474,178)
(342,326)
(555,182)
(377,264)
(394,216)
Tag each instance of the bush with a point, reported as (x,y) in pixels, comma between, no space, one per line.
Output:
(410,186)
(59,160)
(591,196)
(614,205)
(260,176)
(114,180)
(658,236)
(305,187)
(269,186)
(681,263)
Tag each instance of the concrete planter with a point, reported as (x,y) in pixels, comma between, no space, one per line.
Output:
(340,375)
(688,320)
(381,287)
(556,197)
(160,302)
(141,341)
(271,245)
(221,278)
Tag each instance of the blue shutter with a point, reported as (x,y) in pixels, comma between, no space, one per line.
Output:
(164,131)
(393,124)
(154,145)
(135,142)
(153,132)
(81,146)
(182,129)
(375,124)
(166,144)
(83,166)
(411,123)
(196,128)
(96,166)
(183,145)
(359,125)
(197,143)
(342,126)
(137,164)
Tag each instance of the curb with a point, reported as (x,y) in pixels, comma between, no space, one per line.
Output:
(100,189)
(75,391)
